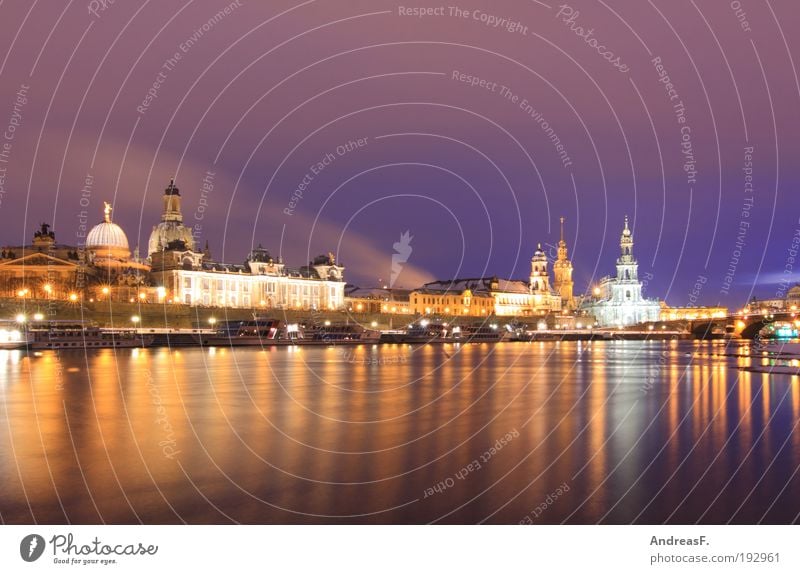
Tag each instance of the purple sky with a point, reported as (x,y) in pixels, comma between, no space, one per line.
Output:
(266,92)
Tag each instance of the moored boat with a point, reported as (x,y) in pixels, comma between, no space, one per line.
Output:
(12,336)
(252,332)
(77,335)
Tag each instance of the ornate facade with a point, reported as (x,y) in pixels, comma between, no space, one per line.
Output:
(618,300)
(42,270)
(103,266)
(183,275)
(490,295)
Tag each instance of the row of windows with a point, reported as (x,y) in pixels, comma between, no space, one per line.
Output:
(269,288)
(481,301)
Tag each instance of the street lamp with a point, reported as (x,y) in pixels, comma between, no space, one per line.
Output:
(135,319)
(212,321)
(38,317)
(21,318)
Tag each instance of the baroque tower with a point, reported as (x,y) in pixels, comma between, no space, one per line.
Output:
(627,267)
(171,230)
(539,280)
(562,274)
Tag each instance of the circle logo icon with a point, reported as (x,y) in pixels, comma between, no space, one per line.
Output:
(31,547)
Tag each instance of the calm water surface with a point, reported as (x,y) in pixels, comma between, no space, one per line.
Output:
(612,432)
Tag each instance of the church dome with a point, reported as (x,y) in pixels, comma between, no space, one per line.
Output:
(794,293)
(107,241)
(107,234)
(171,227)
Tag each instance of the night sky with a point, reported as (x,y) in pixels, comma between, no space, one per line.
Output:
(258,96)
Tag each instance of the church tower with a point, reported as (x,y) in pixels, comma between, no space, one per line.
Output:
(171,230)
(539,280)
(172,203)
(627,288)
(562,274)
(627,267)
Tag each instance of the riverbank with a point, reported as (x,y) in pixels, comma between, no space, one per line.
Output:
(170,316)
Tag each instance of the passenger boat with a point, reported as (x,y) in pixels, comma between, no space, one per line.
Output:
(12,336)
(483,334)
(76,335)
(780,331)
(252,332)
(337,333)
(275,332)
(422,332)
(426,331)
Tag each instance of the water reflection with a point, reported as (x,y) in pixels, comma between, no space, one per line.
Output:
(640,431)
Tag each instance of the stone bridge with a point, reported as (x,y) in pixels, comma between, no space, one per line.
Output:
(746,326)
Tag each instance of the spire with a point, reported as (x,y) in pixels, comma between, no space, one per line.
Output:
(562,229)
(107,212)
(626,242)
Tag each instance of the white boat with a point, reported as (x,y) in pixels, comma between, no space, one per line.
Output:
(76,335)
(13,337)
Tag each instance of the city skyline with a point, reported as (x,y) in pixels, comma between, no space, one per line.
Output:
(693,298)
(465,152)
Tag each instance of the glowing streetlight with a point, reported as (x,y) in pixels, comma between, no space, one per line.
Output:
(135,319)
(21,318)
(38,317)
(73,297)
(212,321)
(104,290)
(597,291)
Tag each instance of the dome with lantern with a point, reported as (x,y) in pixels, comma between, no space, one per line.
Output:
(107,242)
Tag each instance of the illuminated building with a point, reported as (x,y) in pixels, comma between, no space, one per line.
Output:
(45,269)
(378,300)
(171,227)
(452,302)
(790,303)
(692,313)
(48,270)
(491,295)
(562,275)
(188,277)
(618,301)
